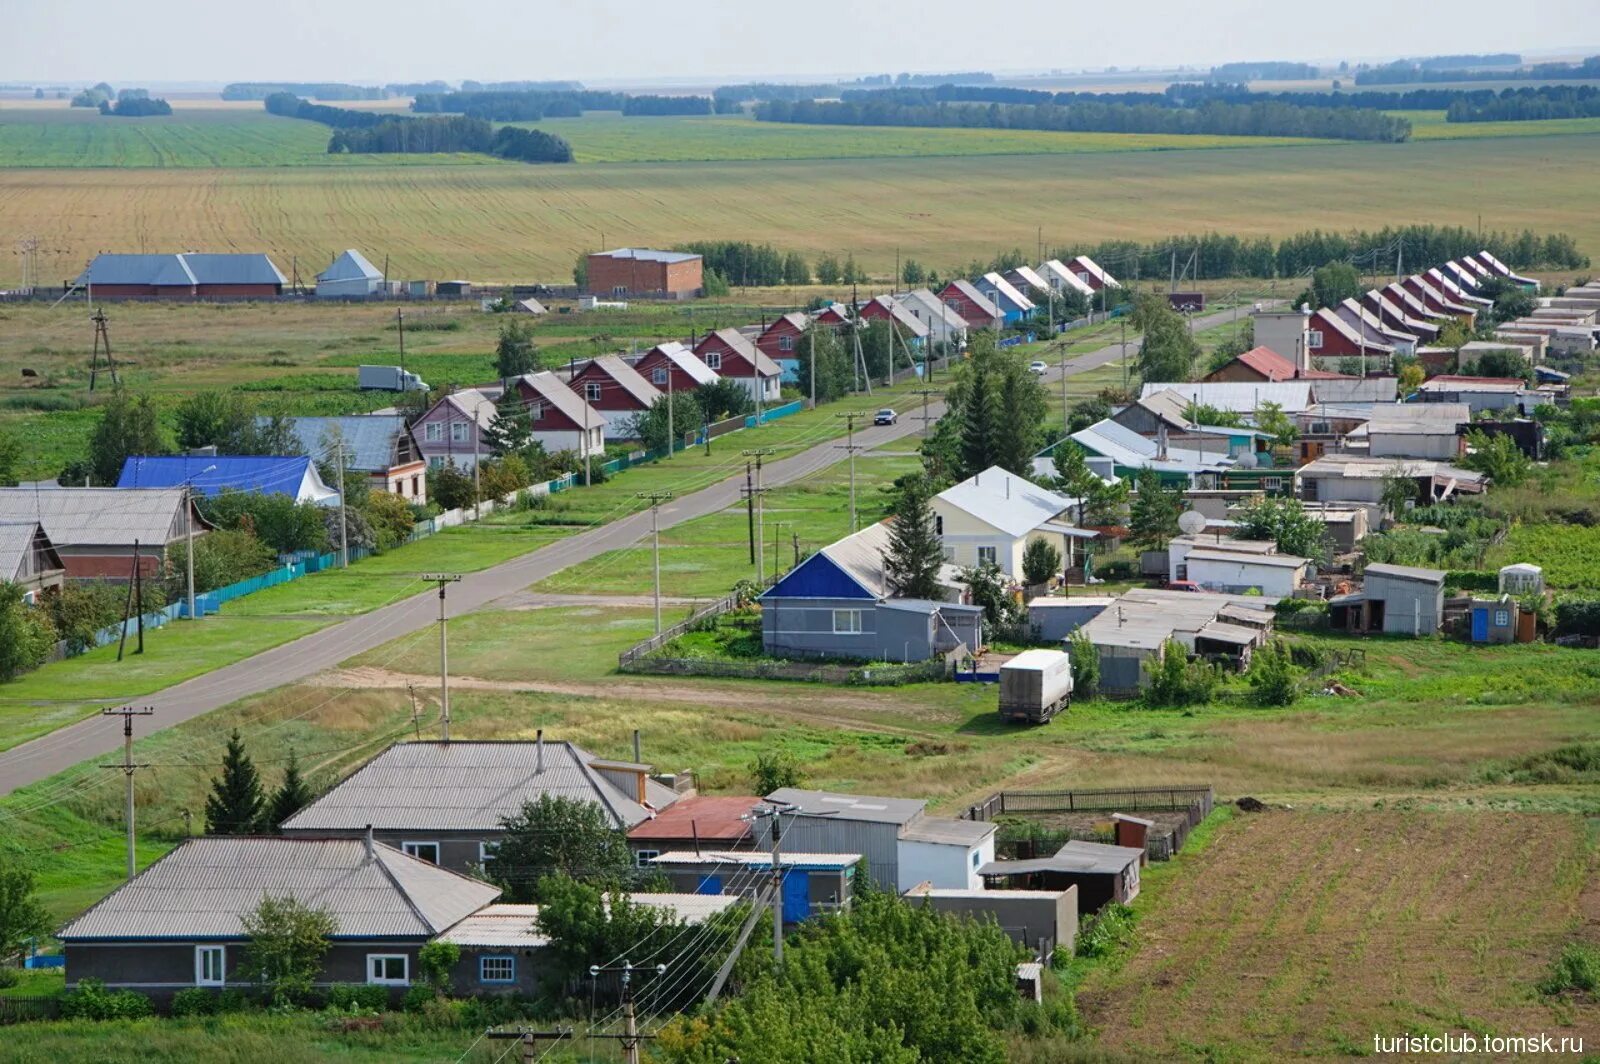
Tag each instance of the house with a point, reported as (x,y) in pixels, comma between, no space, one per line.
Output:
(1002,293)
(1496,267)
(558,420)
(1396,599)
(1441,296)
(1165,416)
(617,392)
(1131,634)
(1042,921)
(1395,308)
(1063,280)
(974,308)
(1373,332)
(97,532)
(1346,526)
(644,272)
(380,445)
(1178,548)
(29,561)
(1328,335)
(812,883)
(1478,393)
(698,821)
(1417,430)
(783,337)
(1263,365)
(452,431)
(729,354)
(835,316)
(1026,280)
(911,333)
(184,276)
(1459,285)
(672,367)
(293,475)
(1359,478)
(1116,451)
(991,517)
(902,844)
(1101,873)
(1089,272)
(444,802)
(502,950)
(1219,569)
(1243,398)
(350,276)
(945,326)
(180,922)
(839,603)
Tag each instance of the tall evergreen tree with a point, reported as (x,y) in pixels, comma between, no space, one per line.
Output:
(915,553)
(510,430)
(515,353)
(292,795)
(1153,514)
(979,412)
(236,802)
(1018,426)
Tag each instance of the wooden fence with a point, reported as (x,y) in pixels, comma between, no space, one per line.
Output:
(22,1009)
(656,642)
(1195,803)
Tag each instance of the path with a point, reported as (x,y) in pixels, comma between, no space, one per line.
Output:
(97,737)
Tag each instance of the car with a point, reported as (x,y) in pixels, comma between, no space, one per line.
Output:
(885,417)
(1037,367)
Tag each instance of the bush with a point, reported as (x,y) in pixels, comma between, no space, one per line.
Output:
(418,997)
(1085,660)
(1106,931)
(1578,617)
(222,557)
(357,997)
(1272,676)
(8,977)
(92,1001)
(390,517)
(1577,969)
(194,1001)
(1176,682)
(450,487)
(233,1000)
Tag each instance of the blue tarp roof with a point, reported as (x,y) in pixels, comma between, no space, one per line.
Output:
(267,475)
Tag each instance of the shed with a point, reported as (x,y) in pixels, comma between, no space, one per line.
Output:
(1520,578)
(1225,570)
(1402,599)
(350,276)
(1056,618)
(1494,620)
(813,883)
(1042,921)
(1102,873)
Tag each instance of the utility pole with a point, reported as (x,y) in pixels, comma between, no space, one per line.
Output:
(1123,322)
(672,440)
(773,811)
(443,579)
(850,446)
(656,499)
(400,324)
(811,334)
(127,713)
(761,529)
(630,1036)
(530,1039)
(101,338)
(344,522)
(188,545)
(128,606)
(925,392)
(1066,422)
(750,508)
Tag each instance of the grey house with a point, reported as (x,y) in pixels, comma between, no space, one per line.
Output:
(1398,599)
(178,924)
(443,802)
(838,603)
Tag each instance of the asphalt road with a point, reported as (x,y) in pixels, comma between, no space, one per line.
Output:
(97,737)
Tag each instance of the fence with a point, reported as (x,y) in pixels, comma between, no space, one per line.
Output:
(656,642)
(885,675)
(22,1009)
(1195,803)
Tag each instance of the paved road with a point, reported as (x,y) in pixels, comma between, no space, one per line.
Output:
(97,737)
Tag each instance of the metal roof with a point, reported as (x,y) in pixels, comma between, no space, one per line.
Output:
(901,314)
(923,890)
(1243,558)
(1082,857)
(369,439)
(683,358)
(649,255)
(1055,269)
(1365,467)
(293,475)
(203,888)
(947,831)
(468,786)
(1406,572)
(553,390)
(1450,383)
(351,266)
(737,341)
(1087,264)
(474,404)
(20,540)
(715,818)
(234,269)
(516,926)
(1028,276)
(160,270)
(628,379)
(1146,618)
(984,304)
(923,300)
(1006,290)
(755,859)
(1127,448)
(1240,397)
(851,806)
(1355,390)
(98,516)
(1013,504)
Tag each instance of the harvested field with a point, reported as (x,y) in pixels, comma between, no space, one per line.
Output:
(1304,934)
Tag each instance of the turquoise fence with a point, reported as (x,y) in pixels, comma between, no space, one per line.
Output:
(776,412)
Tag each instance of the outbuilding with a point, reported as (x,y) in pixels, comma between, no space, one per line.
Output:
(350,276)
(627,272)
(1395,599)
(1101,873)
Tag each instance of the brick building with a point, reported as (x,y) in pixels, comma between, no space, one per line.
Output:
(643,272)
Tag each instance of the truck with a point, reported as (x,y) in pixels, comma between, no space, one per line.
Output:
(1035,686)
(389,379)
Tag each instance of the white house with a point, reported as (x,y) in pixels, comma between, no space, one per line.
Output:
(991,517)
(557,418)
(1238,573)
(350,276)
(945,326)
(1063,280)
(1178,549)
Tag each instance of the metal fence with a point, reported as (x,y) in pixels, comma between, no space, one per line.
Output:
(23,1009)
(864,675)
(656,642)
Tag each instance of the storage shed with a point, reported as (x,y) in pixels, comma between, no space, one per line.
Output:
(1397,599)
(1102,873)
(1040,920)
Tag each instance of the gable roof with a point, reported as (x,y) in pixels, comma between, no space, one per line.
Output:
(553,390)
(1129,449)
(838,806)
(794,318)
(1013,504)
(1377,390)
(253,268)
(369,439)
(468,786)
(1240,397)
(923,300)
(473,404)
(99,516)
(1057,270)
(738,342)
(20,540)
(1006,291)
(901,315)
(1090,266)
(264,475)
(849,568)
(351,266)
(204,888)
(160,270)
(627,378)
(1406,572)
(984,304)
(1028,276)
(1329,319)
(685,359)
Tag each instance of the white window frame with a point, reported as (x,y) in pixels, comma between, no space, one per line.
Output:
(379,980)
(1313,339)
(659,375)
(410,850)
(993,556)
(853,617)
(483,964)
(434,432)
(486,851)
(436,461)
(592,391)
(458,432)
(641,858)
(619,289)
(785,343)
(200,954)
(1502,618)
(712,359)
(1271,483)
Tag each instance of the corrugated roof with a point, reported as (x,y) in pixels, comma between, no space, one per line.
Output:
(203,888)
(553,390)
(1243,558)
(839,806)
(160,270)
(99,516)
(715,818)
(369,439)
(684,359)
(947,831)
(1365,467)
(234,269)
(506,926)
(924,301)
(1452,383)
(747,350)
(1056,270)
(1355,390)
(1084,262)
(1083,857)
(901,315)
(1268,363)
(472,404)
(628,379)
(1006,290)
(292,475)
(1028,276)
(467,786)
(984,304)
(1406,572)
(351,266)
(1006,501)
(757,859)
(1144,618)
(1240,397)
(649,255)
(18,542)
(1127,448)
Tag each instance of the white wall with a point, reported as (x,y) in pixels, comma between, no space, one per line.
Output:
(962,534)
(949,866)
(1445,446)
(1271,579)
(572,440)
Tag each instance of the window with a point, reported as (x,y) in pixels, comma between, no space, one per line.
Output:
(209,965)
(486,851)
(497,969)
(1313,338)
(458,433)
(591,391)
(434,432)
(938,524)
(975,858)
(414,487)
(1321,428)
(392,969)
(846,622)
(641,858)
(1502,618)
(422,851)
(785,343)
(712,359)
(436,462)
(536,412)
(986,556)
(658,375)
(1271,483)
(619,289)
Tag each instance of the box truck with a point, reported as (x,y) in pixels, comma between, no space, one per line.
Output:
(1035,685)
(389,379)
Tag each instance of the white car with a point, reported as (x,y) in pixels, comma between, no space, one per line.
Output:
(1038,367)
(885,416)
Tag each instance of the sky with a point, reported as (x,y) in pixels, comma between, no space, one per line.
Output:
(706,41)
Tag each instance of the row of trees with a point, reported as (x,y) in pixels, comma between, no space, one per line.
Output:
(1215,118)
(1403,72)
(135,107)
(514,105)
(368,132)
(666,105)
(745,263)
(1525,105)
(317,90)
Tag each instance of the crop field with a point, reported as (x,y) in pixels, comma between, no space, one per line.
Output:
(1430,125)
(497,222)
(1303,934)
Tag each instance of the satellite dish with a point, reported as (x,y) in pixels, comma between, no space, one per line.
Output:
(1246,460)
(1192,522)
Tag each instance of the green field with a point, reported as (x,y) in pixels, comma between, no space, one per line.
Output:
(1431,125)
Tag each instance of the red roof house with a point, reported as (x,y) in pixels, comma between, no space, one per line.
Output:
(1265,364)
(672,367)
(781,339)
(617,391)
(714,821)
(730,354)
(974,308)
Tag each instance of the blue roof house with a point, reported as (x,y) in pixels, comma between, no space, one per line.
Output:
(295,476)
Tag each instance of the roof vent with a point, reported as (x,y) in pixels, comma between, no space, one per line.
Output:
(538,745)
(370,852)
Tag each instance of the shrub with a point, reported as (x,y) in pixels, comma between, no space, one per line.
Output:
(391,519)
(357,997)
(436,960)
(771,772)
(8,977)
(92,1001)
(1106,931)
(1578,617)
(194,1001)
(1577,969)
(1085,659)
(1272,676)
(1176,682)
(418,997)
(233,999)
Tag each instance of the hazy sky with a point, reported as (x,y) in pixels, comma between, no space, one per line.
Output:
(142,41)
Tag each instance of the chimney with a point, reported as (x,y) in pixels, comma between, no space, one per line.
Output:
(370,853)
(1161,442)
(1008,487)
(538,746)
(637,757)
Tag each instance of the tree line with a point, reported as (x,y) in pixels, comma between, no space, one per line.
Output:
(1529,104)
(1181,94)
(1404,73)
(135,107)
(1260,119)
(744,263)
(1267,71)
(317,90)
(666,105)
(528,105)
(363,132)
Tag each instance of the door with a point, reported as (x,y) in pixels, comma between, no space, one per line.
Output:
(709,885)
(1480,625)
(796,896)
